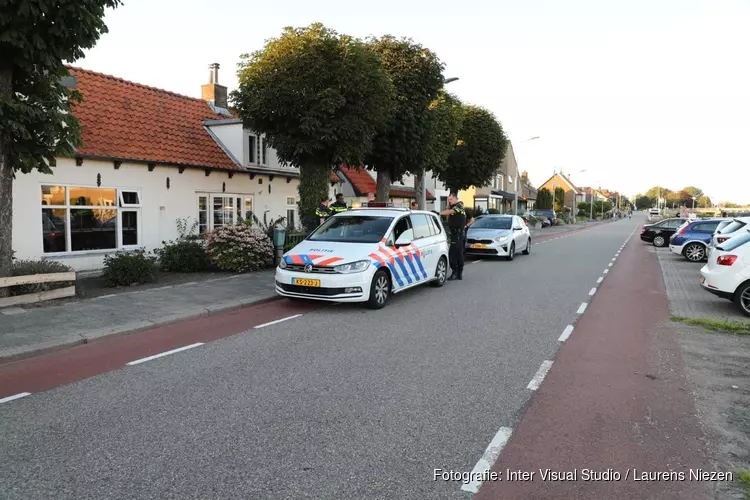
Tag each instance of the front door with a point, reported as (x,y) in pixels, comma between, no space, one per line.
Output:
(402,265)
(425,242)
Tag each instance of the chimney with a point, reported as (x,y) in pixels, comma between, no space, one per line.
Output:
(212,91)
(524,174)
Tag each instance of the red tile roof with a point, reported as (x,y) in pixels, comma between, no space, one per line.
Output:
(130,121)
(364,184)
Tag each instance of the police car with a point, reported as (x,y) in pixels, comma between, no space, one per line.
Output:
(366,255)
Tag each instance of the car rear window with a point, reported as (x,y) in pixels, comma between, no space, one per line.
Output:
(735,242)
(732,227)
(705,227)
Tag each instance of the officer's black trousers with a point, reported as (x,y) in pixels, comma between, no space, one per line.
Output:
(456,254)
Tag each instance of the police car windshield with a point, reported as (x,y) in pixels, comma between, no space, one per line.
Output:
(352,229)
(492,223)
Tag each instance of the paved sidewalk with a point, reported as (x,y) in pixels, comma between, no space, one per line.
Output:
(564,229)
(686,297)
(35,330)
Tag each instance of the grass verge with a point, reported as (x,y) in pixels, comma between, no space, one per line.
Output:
(716,325)
(743,477)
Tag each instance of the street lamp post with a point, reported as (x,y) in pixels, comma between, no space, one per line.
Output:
(422,186)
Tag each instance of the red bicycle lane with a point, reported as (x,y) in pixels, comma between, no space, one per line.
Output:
(66,366)
(614,401)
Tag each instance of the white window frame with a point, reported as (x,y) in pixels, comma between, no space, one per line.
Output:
(119,207)
(293,203)
(211,196)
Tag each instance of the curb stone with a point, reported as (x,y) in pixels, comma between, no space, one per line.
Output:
(19,353)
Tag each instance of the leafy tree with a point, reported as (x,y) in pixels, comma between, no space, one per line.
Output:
(36,125)
(642,202)
(443,125)
(657,191)
(601,207)
(693,191)
(705,202)
(584,208)
(674,200)
(320,98)
(417,76)
(479,150)
(543,199)
(559,199)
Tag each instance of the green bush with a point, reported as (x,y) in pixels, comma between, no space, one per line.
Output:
(182,256)
(31,267)
(123,269)
(240,248)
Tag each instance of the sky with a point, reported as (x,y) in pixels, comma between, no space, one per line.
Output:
(634,93)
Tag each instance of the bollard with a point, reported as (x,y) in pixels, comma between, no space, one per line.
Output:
(279,238)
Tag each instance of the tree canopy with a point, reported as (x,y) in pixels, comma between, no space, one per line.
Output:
(417,76)
(479,150)
(320,98)
(36,124)
(544,199)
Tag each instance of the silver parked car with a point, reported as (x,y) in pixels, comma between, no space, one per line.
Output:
(498,235)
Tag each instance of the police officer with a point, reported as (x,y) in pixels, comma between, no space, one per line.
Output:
(323,212)
(339,205)
(457,225)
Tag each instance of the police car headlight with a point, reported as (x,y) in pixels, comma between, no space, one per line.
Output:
(282,264)
(500,239)
(353,267)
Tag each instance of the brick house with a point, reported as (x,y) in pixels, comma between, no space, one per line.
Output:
(573,195)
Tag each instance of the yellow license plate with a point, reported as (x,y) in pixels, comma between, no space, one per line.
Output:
(305,282)
(478,245)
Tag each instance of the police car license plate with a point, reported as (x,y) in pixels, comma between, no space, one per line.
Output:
(703,279)
(305,282)
(478,245)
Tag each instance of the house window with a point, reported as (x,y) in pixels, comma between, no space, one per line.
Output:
(222,210)
(79,219)
(264,152)
(290,200)
(252,142)
(202,214)
(290,218)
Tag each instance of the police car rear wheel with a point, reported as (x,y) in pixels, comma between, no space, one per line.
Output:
(441,273)
(380,290)
(528,248)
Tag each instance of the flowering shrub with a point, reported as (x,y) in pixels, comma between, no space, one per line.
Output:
(239,248)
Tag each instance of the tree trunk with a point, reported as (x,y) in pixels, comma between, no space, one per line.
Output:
(313,185)
(383,186)
(419,189)
(6,186)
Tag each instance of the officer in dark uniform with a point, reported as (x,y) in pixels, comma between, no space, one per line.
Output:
(338,206)
(457,225)
(323,212)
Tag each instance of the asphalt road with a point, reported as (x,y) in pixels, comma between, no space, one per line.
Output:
(340,402)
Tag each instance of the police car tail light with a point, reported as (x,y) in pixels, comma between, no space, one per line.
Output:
(353,267)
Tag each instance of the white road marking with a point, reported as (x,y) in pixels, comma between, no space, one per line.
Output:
(277,321)
(614,259)
(610,264)
(566,333)
(488,458)
(15,396)
(592,291)
(478,260)
(582,308)
(601,278)
(539,377)
(105,296)
(161,355)
(606,271)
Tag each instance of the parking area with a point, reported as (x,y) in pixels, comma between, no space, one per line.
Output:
(716,367)
(687,298)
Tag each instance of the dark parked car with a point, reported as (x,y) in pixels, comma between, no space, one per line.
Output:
(542,215)
(659,233)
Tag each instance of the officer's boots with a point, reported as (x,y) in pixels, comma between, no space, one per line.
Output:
(453,276)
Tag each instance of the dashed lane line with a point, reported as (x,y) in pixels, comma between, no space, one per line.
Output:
(15,396)
(488,459)
(540,374)
(582,308)
(592,291)
(166,353)
(277,321)
(566,333)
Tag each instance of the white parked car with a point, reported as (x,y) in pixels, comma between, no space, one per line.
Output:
(723,233)
(366,255)
(498,235)
(727,273)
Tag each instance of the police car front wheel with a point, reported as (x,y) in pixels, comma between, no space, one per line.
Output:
(380,290)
